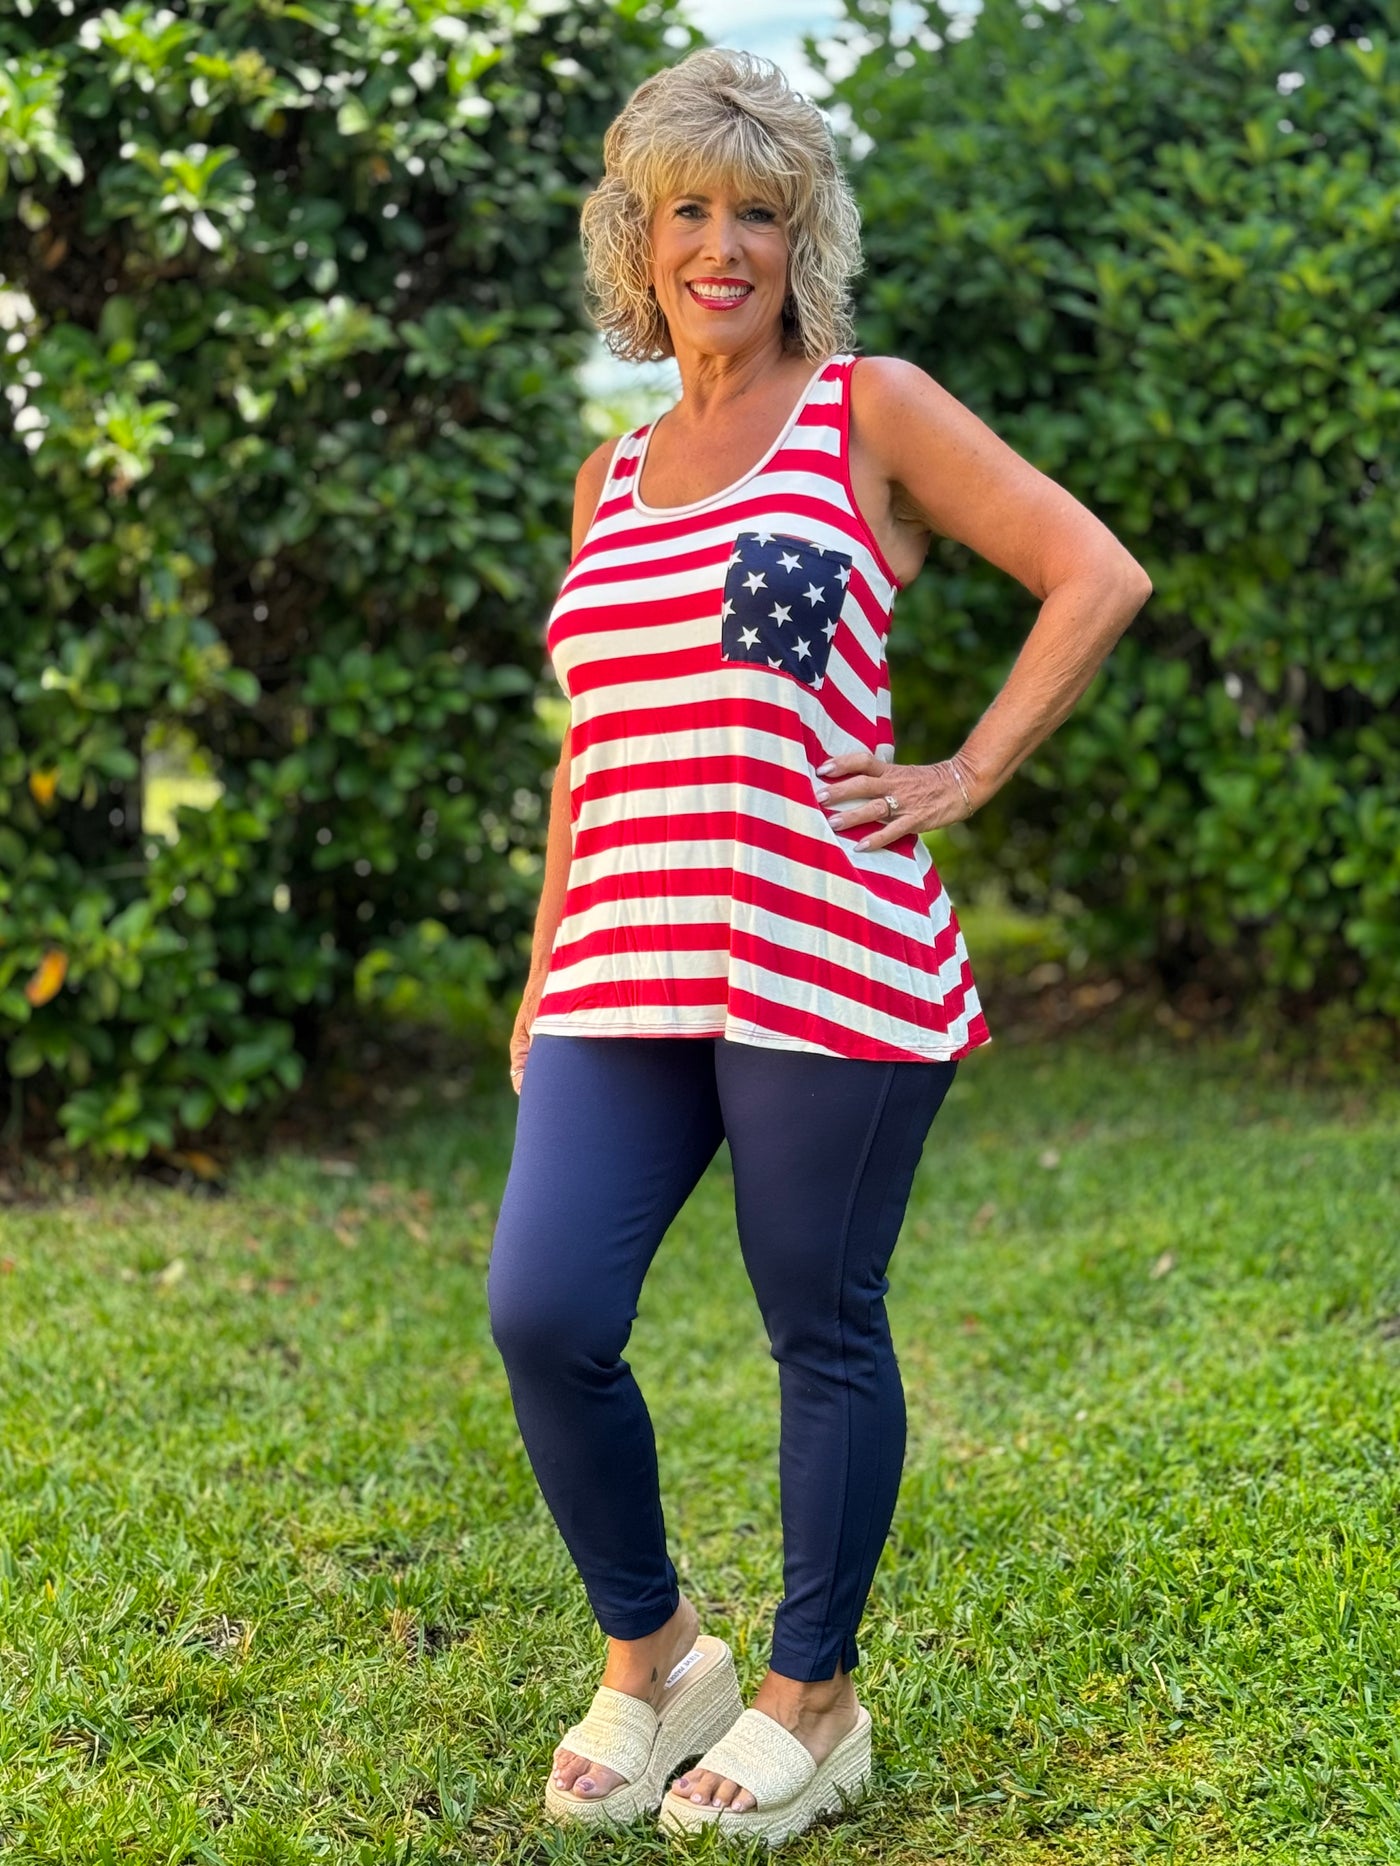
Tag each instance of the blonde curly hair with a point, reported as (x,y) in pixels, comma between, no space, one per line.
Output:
(730,119)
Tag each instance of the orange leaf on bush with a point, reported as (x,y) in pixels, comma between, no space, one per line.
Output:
(42,785)
(53,969)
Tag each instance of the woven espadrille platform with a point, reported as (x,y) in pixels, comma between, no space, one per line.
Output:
(790,1788)
(625,1734)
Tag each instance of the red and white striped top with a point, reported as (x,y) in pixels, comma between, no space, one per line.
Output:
(708,894)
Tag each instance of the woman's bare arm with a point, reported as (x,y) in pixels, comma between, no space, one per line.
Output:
(559,845)
(970,485)
(588,489)
(558,853)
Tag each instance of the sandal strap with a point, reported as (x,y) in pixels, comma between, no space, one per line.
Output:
(616,1732)
(757,1753)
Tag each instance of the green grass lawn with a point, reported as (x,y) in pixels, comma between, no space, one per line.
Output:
(276,1584)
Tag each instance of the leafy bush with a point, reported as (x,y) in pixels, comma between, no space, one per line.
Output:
(292,319)
(1154,244)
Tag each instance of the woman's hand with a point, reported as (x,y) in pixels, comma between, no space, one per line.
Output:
(929,796)
(520,1036)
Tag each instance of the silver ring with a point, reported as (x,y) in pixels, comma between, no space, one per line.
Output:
(892,807)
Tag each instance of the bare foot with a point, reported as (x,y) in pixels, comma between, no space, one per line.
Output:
(819,1714)
(640,1667)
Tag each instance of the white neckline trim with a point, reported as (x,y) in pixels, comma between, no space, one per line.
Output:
(699,505)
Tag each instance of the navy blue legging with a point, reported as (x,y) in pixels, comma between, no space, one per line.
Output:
(612,1134)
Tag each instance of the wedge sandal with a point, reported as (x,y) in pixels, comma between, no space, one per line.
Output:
(700,1701)
(790,1788)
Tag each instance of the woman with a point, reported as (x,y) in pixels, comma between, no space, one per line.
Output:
(741,935)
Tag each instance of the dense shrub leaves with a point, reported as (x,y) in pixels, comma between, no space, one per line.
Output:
(1154,244)
(292,318)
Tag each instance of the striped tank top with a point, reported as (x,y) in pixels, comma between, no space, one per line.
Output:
(714,655)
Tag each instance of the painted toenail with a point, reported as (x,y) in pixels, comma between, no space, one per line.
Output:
(697,1797)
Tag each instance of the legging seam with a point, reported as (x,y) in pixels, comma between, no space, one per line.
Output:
(846,1220)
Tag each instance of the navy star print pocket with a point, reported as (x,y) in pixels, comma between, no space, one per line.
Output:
(782,601)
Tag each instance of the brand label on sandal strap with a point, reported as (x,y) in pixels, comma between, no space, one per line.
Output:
(679,1671)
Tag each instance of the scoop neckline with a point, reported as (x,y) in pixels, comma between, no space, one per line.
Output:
(698,505)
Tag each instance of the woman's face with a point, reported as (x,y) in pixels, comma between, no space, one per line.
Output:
(719,266)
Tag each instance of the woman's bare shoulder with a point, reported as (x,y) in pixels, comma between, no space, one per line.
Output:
(901,413)
(883,386)
(967,483)
(588,488)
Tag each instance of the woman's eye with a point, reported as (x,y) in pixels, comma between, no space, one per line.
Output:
(694,207)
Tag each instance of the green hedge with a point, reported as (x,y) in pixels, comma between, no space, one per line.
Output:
(1156,244)
(292,320)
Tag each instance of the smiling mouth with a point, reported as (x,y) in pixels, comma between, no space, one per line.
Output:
(719,297)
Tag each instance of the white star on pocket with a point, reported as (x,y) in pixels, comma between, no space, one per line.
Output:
(787,570)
